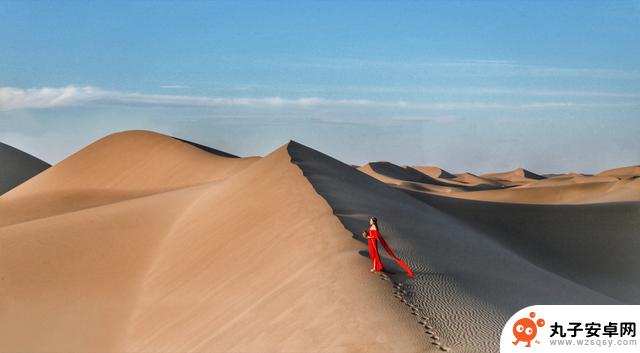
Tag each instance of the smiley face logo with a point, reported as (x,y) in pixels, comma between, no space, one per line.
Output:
(525,329)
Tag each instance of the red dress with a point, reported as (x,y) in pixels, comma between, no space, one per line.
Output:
(375,256)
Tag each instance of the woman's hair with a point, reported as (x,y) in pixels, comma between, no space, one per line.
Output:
(375,221)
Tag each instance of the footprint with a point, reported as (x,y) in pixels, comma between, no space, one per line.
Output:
(446,349)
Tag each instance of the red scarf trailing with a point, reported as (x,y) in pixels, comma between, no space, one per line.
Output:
(376,259)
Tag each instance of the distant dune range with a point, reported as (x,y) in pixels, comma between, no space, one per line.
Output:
(516,186)
(16,167)
(144,242)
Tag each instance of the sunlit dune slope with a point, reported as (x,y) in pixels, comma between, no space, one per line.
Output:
(214,255)
(118,167)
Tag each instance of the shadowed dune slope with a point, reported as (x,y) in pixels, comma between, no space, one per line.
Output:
(596,245)
(209,149)
(473,179)
(467,281)
(562,192)
(394,174)
(17,167)
(412,178)
(118,167)
(229,259)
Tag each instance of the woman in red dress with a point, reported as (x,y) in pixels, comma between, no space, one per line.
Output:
(373,235)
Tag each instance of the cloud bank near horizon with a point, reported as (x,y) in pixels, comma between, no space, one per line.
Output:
(13,98)
(546,136)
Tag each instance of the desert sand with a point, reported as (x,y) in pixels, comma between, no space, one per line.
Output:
(516,186)
(142,242)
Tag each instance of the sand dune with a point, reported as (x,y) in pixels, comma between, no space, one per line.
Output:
(394,174)
(622,172)
(472,179)
(143,242)
(519,185)
(468,181)
(516,177)
(434,172)
(560,190)
(16,167)
(214,254)
(467,282)
(592,244)
(118,167)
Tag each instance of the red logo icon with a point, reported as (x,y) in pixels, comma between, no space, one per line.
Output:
(525,329)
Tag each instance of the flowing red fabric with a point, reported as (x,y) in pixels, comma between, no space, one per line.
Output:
(375,256)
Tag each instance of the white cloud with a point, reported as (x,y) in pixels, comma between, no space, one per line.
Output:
(37,98)
(484,68)
(486,91)
(174,86)
(12,98)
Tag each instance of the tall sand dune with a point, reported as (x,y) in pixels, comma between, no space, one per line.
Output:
(467,283)
(214,254)
(118,167)
(16,167)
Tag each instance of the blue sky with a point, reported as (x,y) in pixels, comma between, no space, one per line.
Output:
(467,85)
